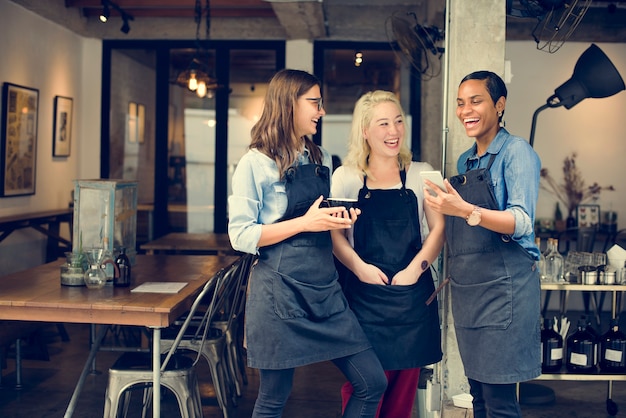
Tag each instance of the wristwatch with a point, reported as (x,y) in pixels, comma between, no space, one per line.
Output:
(474,217)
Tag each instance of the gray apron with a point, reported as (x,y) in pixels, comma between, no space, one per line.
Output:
(495,293)
(402,328)
(296,313)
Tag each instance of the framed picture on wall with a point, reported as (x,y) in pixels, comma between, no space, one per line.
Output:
(20,107)
(62,131)
(588,216)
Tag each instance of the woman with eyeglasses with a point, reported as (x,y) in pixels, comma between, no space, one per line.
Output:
(296,313)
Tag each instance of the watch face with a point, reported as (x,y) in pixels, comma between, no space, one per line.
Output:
(474,218)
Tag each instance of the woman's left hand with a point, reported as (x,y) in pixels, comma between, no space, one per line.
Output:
(404,278)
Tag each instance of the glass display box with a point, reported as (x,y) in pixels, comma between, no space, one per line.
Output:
(105,216)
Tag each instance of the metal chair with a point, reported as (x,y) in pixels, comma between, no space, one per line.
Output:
(231,329)
(212,345)
(177,370)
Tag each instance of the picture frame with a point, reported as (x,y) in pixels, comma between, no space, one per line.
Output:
(18,150)
(588,216)
(62,126)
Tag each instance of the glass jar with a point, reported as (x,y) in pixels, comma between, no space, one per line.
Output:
(73,271)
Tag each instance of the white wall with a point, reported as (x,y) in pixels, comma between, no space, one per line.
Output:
(39,54)
(594,128)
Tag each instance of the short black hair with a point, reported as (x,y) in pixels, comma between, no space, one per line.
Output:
(495,85)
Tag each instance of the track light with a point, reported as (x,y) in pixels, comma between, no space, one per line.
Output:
(106,12)
(107,5)
(125,26)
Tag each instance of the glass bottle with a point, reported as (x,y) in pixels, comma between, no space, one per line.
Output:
(107,261)
(551,349)
(613,350)
(558,215)
(123,265)
(580,350)
(596,336)
(541,264)
(554,262)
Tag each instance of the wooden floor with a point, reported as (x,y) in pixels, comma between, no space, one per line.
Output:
(48,385)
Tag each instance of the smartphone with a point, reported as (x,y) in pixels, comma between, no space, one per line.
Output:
(434,176)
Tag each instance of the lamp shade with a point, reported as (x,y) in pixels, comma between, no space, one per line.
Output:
(594,76)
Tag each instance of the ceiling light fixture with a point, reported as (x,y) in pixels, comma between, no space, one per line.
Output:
(106,12)
(195,77)
(107,5)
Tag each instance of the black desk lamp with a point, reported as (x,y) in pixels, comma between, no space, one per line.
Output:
(594,76)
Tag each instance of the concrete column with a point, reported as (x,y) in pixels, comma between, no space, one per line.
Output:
(476,41)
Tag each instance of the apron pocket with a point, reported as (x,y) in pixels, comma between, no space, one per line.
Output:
(384,305)
(483,305)
(295,299)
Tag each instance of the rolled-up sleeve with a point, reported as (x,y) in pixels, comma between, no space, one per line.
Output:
(521,173)
(244,206)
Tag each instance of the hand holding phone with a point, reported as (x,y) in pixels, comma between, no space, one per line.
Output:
(435,177)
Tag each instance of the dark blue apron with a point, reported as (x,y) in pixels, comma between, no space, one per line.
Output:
(402,328)
(495,293)
(296,313)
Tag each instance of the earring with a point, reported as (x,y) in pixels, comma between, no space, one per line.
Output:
(499,114)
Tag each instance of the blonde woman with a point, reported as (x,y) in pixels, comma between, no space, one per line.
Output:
(387,252)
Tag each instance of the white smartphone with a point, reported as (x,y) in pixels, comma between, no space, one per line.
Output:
(434,176)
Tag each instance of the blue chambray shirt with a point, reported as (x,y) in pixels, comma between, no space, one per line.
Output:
(515,180)
(259,198)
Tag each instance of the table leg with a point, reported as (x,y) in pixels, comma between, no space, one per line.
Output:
(81,381)
(156,372)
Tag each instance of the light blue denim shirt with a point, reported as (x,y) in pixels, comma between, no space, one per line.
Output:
(515,181)
(259,198)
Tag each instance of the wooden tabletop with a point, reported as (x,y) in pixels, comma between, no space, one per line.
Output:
(190,243)
(36,294)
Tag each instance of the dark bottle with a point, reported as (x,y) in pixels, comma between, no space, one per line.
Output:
(581,350)
(596,336)
(551,349)
(613,350)
(123,264)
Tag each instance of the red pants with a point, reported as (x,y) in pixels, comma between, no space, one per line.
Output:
(398,399)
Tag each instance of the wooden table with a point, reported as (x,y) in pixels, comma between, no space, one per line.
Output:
(190,243)
(37,295)
(38,221)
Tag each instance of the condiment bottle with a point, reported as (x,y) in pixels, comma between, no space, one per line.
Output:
(551,349)
(613,350)
(123,264)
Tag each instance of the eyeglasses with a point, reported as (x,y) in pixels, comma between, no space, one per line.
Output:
(318,100)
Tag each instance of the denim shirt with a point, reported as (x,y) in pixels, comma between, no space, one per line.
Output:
(259,197)
(515,180)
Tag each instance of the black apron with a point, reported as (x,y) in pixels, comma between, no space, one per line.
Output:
(402,328)
(495,292)
(296,313)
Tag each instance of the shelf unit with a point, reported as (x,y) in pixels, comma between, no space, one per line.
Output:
(564,289)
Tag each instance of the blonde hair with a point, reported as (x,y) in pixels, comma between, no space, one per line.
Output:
(358,148)
(275,134)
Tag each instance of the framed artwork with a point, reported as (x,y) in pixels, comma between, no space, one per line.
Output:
(20,107)
(62,130)
(588,216)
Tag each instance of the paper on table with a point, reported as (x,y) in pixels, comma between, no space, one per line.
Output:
(160,287)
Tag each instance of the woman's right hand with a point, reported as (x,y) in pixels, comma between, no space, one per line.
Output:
(318,219)
(369,273)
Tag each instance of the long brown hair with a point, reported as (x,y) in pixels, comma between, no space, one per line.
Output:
(274,134)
